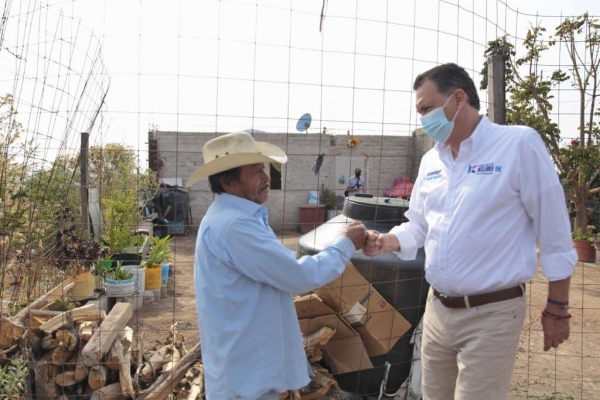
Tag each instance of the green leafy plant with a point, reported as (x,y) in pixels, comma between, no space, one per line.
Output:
(160,251)
(531,90)
(61,305)
(120,274)
(587,234)
(12,379)
(328,198)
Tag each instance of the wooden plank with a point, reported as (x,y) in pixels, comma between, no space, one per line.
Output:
(12,328)
(165,384)
(103,338)
(89,312)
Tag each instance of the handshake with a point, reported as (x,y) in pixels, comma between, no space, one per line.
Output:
(371,242)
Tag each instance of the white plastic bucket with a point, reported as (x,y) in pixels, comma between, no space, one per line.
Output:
(119,288)
(139,277)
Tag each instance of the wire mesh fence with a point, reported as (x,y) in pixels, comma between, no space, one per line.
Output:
(328,82)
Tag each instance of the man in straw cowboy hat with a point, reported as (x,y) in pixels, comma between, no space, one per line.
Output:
(245,277)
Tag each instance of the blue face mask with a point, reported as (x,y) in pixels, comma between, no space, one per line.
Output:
(436,125)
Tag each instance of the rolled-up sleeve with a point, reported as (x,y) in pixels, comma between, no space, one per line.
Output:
(544,199)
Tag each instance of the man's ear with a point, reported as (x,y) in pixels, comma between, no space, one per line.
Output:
(461,98)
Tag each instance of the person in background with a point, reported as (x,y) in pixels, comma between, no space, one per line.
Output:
(356,184)
(483,196)
(245,277)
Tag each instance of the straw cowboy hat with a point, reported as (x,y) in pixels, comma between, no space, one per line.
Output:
(234,150)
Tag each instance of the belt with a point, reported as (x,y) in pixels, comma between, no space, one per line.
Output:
(480,299)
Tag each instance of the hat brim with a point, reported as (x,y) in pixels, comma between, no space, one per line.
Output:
(267,153)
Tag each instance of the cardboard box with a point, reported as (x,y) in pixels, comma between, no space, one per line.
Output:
(378,323)
(345,352)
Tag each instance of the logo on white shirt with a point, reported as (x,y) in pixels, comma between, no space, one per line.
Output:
(433,175)
(484,169)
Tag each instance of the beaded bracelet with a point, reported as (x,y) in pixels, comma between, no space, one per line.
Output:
(554,316)
(562,305)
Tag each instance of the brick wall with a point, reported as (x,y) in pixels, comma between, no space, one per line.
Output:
(382,158)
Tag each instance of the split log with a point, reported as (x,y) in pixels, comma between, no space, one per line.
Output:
(320,384)
(123,356)
(86,329)
(89,312)
(12,328)
(112,392)
(197,385)
(290,395)
(68,339)
(97,377)
(126,337)
(70,365)
(35,322)
(49,343)
(103,338)
(45,372)
(175,358)
(81,371)
(121,346)
(156,361)
(319,338)
(323,380)
(67,379)
(165,384)
(316,356)
(44,313)
(61,355)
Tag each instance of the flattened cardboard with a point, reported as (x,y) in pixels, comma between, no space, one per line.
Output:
(378,323)
(345,352)
(311,306)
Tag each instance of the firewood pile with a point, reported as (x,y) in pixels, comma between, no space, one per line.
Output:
(86,353)
(322,384)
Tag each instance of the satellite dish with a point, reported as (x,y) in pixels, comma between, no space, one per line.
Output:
(304,123)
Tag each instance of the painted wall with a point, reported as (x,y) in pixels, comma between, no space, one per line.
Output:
(381,158)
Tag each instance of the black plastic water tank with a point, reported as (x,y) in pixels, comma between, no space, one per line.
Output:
(400,282)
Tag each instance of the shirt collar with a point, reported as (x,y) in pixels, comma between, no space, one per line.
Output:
(473,141)
(244,205)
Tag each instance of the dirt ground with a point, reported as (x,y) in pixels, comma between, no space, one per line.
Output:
(571,372)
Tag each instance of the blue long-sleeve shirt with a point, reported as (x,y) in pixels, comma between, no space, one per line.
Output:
(245,278)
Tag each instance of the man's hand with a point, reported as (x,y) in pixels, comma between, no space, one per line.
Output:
(556,330)
(378,243)
(356,232)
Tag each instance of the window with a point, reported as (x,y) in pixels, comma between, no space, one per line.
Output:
(275,174)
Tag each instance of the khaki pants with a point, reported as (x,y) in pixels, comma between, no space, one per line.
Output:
(469,353)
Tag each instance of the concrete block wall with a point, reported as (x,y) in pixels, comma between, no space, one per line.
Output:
(382,159)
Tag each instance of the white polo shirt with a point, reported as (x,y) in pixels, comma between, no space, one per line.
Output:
(479,216)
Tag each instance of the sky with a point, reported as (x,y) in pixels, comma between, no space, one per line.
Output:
(124,67)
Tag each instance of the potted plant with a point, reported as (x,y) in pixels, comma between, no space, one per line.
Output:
(329,199)
(103,268)
(119,282)
(159,254)
(596,241)
(74,255)
(582,242)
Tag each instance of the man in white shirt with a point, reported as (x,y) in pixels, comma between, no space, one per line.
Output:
(484,194)
(356,184)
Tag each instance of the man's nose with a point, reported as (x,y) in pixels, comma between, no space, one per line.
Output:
(266,176)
